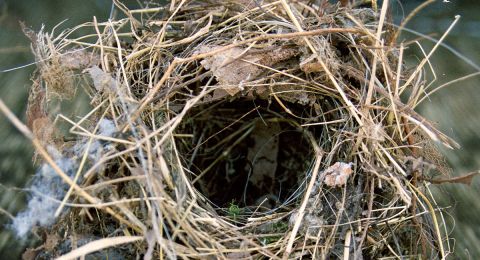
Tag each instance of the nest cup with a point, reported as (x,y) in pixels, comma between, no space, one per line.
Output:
(237,129)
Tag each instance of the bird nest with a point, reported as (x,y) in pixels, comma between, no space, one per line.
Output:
(232,129)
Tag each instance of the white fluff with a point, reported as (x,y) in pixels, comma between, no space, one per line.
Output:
(46,187)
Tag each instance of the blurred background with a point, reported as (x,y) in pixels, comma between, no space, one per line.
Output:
(454,109)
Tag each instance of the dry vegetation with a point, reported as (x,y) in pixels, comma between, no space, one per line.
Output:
(234,129)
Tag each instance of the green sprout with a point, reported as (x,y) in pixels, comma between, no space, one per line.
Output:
(234,210)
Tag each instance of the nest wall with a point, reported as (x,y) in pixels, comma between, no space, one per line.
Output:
(236,129)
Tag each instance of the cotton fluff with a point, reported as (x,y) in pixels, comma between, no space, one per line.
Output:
(47,186)
(46,189)
(106,127)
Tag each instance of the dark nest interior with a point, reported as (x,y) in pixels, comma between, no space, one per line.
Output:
(233,129)
(246,152)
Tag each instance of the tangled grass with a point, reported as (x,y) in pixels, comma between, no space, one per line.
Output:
(235,129)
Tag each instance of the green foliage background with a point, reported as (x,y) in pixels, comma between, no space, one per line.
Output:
(455,108)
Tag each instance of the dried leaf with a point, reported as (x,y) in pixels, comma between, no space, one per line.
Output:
(78,60)
(236,66)
(337,174)
(228,68)
(464,179)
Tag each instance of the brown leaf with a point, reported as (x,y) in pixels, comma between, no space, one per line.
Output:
(228,68)
(236,66)
(79,60)
(337,174)
(464,179)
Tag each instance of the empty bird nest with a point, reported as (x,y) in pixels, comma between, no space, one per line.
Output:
(232,129)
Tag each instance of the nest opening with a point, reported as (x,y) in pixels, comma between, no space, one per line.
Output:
(247,152)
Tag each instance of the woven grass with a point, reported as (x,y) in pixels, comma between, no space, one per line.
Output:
(238,129)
